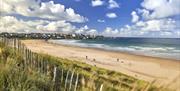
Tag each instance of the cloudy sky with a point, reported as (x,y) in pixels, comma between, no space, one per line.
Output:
(115,18)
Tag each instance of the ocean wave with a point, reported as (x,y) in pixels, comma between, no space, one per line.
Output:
(154,48)
(164,52)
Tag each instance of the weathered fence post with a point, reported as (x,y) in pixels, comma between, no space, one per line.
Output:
(55,73)
(66,79)
(71,80)
(62,76)
(48,70)
(101,87)
(14,44)
(76,83)
(45,67)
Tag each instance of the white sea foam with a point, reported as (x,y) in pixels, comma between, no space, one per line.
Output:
(165,52)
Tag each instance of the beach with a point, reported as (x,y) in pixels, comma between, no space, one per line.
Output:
(163,71)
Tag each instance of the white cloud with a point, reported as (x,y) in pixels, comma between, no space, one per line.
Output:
(47,17)
(97,3)
(113,4)
(92,32)
(12,24)
(178,33)
(57,26)
(82,30)
(144,13)
(161,8)
(150,28)
(135,17)
(101,21)
(166,34)
(85,27)
(159,25)
(109,32)
(32,8)
(153,20)
(111,15)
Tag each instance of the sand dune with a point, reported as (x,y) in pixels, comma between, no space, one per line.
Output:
(164,71)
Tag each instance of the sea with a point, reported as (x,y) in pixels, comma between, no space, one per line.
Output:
(155,47)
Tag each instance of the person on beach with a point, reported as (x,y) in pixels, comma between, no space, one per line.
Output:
(86,57)
(118,60)
(94,59)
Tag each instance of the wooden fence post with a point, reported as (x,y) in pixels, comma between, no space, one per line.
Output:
(42,65)
(45,67)
(71,80)
(66,79)
(55,73)
(62,76)
(101,87)
(77,78)
(48,70)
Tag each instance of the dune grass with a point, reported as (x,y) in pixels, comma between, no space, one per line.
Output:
(14,77)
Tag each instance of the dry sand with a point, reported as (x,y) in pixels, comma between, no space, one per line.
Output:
(164,71)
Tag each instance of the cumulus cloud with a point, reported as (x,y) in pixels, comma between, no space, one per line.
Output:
(33,8)
(135,17)
(57,26)
(111,15)
(154,20)
(150,28)
(92,32)
(97,3)
(101,21)
(159,25)
(178,33)
(109,32)
(161,8)
(86,30)
(113,4)
(12,24)
(82,30)
(16,16)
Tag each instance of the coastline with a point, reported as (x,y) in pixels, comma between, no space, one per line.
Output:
(141,67)
(132,51)
(154,59)
(122,52)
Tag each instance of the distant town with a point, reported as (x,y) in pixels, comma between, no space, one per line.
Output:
(49,36)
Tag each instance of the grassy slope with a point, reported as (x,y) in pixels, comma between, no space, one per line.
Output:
(14,78)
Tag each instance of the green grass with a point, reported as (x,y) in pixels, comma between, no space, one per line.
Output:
(14,77)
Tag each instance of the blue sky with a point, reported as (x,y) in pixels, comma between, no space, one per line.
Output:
(114,18)
(84,8)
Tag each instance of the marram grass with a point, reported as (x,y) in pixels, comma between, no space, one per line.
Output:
(16,78)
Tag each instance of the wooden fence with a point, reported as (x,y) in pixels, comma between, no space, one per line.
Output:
(63,80)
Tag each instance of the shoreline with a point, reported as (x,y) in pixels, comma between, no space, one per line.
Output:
(141,67)
(121,51)
(154,59)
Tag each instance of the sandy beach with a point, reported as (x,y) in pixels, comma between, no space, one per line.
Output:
(164,71)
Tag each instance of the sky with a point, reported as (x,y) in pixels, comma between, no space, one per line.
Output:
(112,18)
